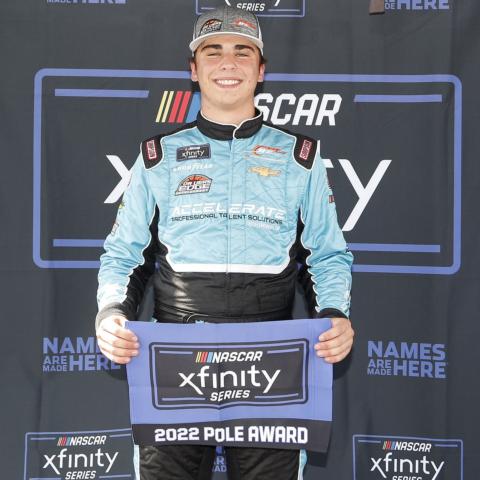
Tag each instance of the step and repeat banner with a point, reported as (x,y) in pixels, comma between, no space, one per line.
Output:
(393,99)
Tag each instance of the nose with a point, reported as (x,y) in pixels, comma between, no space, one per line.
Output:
(228,61)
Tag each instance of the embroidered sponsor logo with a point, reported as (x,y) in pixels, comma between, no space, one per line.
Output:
(305,150)
(194,184)
(243,23)
(264,171)
(212,25)
(261,150)
(189,167)
(193,152)
(151,150)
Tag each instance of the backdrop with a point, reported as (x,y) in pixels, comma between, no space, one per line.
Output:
(393,99)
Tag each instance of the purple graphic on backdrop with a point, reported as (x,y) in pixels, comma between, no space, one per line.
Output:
(289,100)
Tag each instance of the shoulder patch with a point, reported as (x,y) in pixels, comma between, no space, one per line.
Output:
(304,150)
(152,151)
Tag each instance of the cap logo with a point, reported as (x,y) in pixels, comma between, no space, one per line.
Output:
(243,23)
(212,25)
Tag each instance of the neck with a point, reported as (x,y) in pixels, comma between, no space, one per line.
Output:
(229,117)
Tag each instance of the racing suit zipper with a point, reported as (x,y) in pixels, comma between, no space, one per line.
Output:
(229,200)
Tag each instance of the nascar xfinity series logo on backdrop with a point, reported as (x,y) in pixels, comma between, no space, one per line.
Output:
(388,187)
(82,455)
(420,360)
(262,8)
(416,5)
(74,354)
(377,457)
(86,2)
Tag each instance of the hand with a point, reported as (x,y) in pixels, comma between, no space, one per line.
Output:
(335,344)
(115,341)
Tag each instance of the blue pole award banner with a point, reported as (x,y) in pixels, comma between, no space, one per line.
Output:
(241,384)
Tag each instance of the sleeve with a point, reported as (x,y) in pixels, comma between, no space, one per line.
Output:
(130,250)
(326,262)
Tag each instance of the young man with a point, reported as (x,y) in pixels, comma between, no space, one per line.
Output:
(227,206)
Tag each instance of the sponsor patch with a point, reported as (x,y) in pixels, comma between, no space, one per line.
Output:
(212,25)
(243,23)
(305,150)
(114,228)
(194,184)
(193,152)
(264,171)
(261,150)
(151,150)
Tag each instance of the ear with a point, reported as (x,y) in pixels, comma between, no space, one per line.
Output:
(193,71)
(261,73)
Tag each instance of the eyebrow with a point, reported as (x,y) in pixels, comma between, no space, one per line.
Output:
(217,46)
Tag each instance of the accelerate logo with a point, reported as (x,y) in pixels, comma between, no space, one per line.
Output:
(417,5)
(71,354)
(422,360)
(77,455)
(255,374)
(267,8)
(406,458)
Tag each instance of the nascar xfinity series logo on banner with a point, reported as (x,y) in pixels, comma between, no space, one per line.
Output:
(192,384)
(377,457)
(382,139)
(262,8)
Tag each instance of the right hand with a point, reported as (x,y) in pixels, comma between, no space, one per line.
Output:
(115,341)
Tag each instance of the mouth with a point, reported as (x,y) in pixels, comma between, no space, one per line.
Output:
(227,82)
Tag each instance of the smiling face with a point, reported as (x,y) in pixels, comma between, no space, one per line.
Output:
(227,68)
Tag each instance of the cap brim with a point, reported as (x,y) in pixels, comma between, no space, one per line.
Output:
(194,44)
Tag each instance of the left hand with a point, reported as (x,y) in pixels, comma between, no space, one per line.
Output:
(335,344)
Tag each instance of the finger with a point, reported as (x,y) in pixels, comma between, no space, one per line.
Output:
(112,327)
(117,341)
(334,351)
(339,326)
(113,358)
(338,341)
(117,352)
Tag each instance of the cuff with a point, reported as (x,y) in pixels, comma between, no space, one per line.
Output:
(330,313)
(112,309)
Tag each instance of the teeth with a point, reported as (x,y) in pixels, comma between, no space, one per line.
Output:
(228,82)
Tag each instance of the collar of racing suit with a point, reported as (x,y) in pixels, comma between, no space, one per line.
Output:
(225,131)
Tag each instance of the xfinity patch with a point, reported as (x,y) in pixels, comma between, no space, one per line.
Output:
(193,152)
(192,384)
